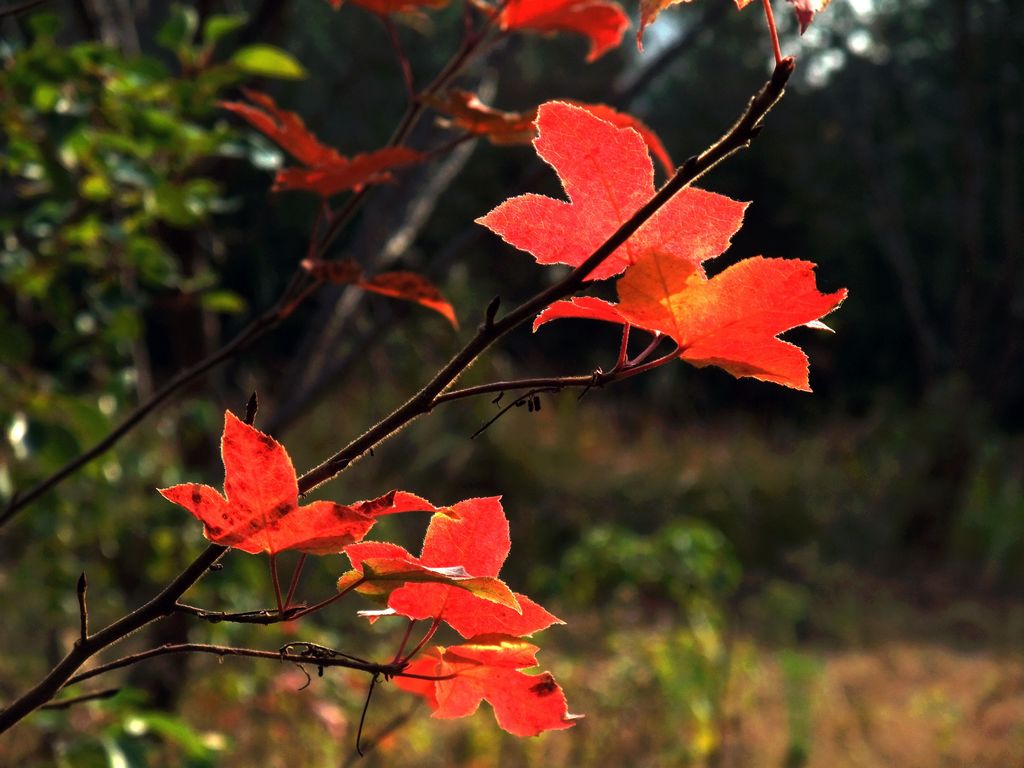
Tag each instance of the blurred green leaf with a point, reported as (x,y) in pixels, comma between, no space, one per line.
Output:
(223,301)
(268,61)
(44,25)
(222,24)
(178,31)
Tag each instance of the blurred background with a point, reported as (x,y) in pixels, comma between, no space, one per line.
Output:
(751,576)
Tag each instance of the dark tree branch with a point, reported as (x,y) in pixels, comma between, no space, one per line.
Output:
(388,670)
(69,702)
(166,602)
(263,616)
(738,137)
(17,8)
(161,605)
(83,609)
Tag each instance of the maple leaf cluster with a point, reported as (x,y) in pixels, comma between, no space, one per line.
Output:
(454,579)
(731,320)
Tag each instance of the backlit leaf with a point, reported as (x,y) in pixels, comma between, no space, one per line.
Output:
(607,174)
(259,510)
(602,22)
(472,534)
(488,669)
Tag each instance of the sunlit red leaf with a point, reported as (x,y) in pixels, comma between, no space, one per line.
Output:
(603,22)
(732,320)
(260,512)
(607,174)
(582,308)
(488,670)
(410,286)
(626,120)
(472,534)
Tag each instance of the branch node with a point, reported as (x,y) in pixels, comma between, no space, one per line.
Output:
(250,409)
(491,312)
(83,610)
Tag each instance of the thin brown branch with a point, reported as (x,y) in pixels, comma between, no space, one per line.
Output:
(69,702)
(390,727)
(15,8)
(362,716)
(161,605)
(265,616)
(403,60)
(556,383)
(738,137)
(388,670)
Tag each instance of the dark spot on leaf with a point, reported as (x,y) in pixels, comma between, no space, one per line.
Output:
(545,687)
(197,497)
(268,442)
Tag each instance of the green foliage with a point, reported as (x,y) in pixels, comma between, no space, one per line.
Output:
(686,561)
(110,159)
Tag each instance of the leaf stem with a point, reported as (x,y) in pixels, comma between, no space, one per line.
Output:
(276,581)
(296,574)
(426,639)
(770,16)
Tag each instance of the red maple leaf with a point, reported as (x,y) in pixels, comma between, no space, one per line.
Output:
(731,321)
(626,120)
(260,512)
(472,534)
(607,174)
(603,22)
(326,172)
(488,670)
